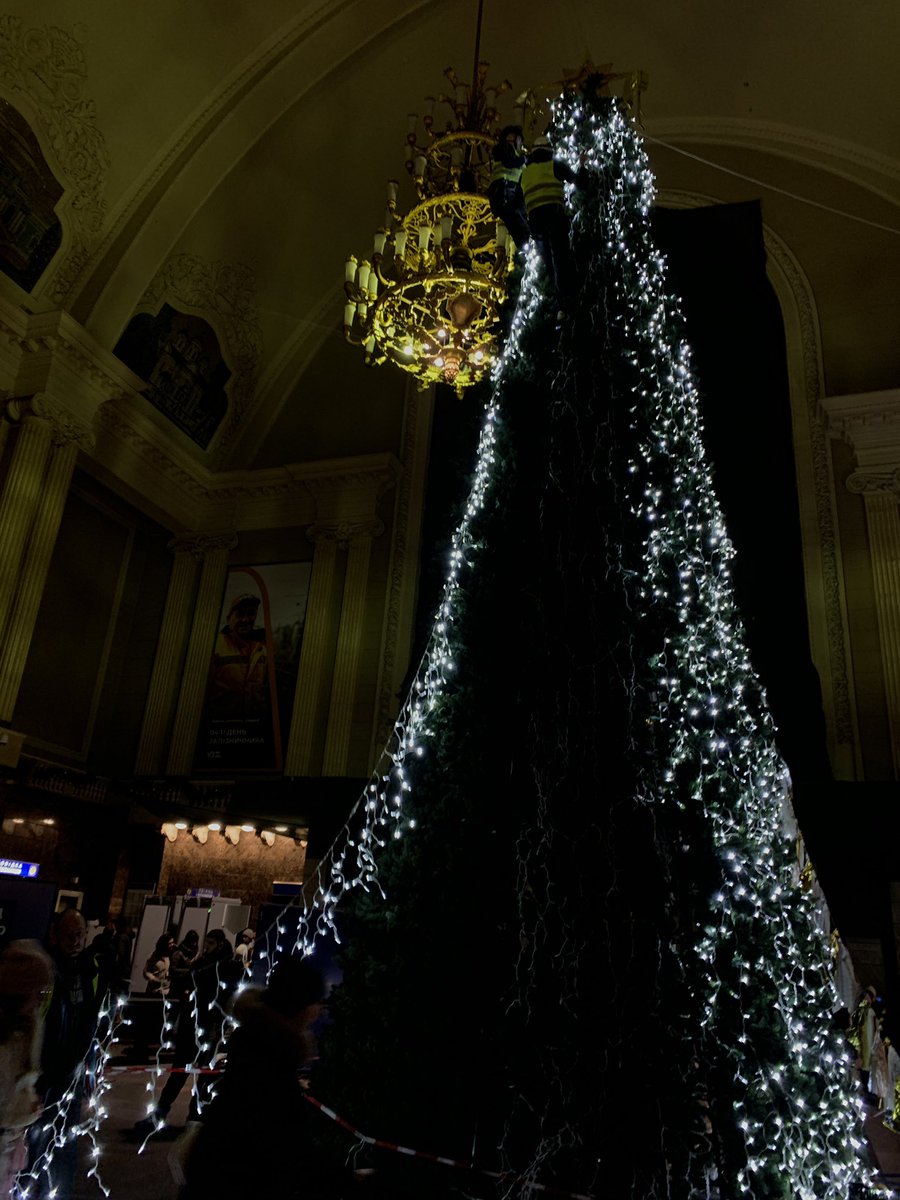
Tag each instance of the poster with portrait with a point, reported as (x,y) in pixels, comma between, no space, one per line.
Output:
(253,669)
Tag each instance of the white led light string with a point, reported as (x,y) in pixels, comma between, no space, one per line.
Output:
(711,712)
(55,1119)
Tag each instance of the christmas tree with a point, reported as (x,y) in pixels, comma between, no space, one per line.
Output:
(584,958)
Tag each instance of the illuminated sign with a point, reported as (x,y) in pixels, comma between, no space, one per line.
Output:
(12,866)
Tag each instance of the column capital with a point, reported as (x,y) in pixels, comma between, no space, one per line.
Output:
(66,427)
(345,533)
(198,545)
(870,482)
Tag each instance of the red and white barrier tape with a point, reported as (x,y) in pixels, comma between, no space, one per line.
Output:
(502,1176)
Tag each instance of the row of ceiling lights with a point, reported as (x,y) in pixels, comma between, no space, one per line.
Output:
(201,833)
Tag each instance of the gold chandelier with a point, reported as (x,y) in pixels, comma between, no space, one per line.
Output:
(428,300)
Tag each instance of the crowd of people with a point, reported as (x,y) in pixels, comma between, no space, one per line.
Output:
(53,1012)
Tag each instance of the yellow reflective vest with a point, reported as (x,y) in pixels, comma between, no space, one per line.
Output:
(499,171)
(540,185)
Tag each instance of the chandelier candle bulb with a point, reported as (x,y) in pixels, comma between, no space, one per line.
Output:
(370,345)
(419,169)
(362,308)
(400,243)
(392,189)
(501,235)
(350,268)
(424,235)
(349,313)
(411,121)
(446,228)
(429,107)
(380,237)
(456,156)
(363,277)
(373,286)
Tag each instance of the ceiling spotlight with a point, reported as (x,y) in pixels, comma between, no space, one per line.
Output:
(181,824)
(281,828)
(215,826)
(48,821)
(249,828)
(18,820)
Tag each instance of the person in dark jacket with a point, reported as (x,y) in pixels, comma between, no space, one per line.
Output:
(505,188)
(259,1100)
(70,1019)
(201,1014)
(545,205)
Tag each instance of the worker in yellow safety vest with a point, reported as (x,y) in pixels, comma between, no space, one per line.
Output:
(505,188)
(545,206)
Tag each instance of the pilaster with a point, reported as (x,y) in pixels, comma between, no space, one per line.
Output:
(170,651)
(214,550)
(883,522)
(314,676)
(346,659)
(19,501)
(33,576)
(870,423)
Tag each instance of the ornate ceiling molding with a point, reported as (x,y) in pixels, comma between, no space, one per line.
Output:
(43,72)
(185,494)
(876,172)
(218,134)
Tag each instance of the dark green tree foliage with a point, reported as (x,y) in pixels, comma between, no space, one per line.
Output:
(594,967)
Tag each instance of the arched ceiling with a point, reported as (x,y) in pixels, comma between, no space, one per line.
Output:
(263,135)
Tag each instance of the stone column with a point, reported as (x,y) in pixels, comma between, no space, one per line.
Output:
(314,677)
(358,539)
(214,550)
(170,651)
(39,475)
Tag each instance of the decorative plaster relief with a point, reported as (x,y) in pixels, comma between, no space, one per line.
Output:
(45,70)
(224,293)
(198,545)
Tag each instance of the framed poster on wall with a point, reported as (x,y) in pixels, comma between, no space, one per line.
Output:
(253,669)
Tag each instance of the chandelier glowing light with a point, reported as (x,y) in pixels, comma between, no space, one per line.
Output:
(429,298)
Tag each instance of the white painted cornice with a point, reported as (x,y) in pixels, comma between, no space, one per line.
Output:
(869,422)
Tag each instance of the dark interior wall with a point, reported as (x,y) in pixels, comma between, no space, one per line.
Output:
(717,266)
(88,669)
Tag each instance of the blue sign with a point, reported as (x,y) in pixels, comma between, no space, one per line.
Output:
(12,866)
(204,893)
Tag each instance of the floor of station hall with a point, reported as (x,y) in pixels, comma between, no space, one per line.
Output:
(149,1176)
